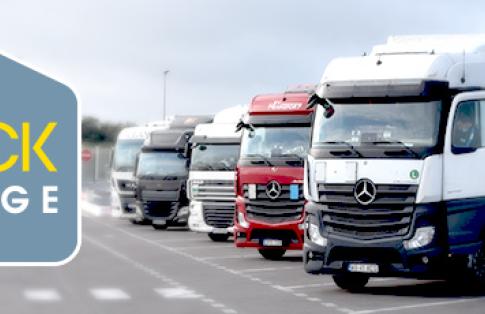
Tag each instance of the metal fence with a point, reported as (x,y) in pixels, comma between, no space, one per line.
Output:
(96,162)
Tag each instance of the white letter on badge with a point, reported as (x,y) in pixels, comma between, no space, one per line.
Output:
(21,203)
(47,199)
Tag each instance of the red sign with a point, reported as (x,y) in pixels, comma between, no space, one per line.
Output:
(86,155)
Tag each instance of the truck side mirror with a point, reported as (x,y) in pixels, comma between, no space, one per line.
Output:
(187,149)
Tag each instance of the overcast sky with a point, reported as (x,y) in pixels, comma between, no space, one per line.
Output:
(219,52)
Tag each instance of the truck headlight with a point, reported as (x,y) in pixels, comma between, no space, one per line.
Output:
(194,189)
(242,220)
(422,237)
(315,235)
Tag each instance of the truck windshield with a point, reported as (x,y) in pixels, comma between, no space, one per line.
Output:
(214,157)
(125,152)
(161,164)
(406,124)
(275,142)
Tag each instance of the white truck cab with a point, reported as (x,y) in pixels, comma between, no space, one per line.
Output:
(394,176)
(211,190)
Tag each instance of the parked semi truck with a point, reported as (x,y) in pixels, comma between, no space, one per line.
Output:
(128,145)
(395,173)
(215,152)
(269,179)
(161,173)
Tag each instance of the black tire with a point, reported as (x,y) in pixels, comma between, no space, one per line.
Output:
(143,222)
(272,254)
(218,237)
(160,227)
(351,282)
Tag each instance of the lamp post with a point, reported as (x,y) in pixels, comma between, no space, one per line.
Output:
(165,73)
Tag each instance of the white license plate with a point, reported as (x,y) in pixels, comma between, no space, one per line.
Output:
(364,268)
(219,231)
(271,242)
(159,222)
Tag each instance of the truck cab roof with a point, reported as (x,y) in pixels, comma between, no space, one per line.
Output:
(171,139)
(288,103)
(215,133)
(458,60)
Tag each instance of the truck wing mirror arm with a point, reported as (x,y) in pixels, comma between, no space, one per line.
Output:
(315,100)
(243,125)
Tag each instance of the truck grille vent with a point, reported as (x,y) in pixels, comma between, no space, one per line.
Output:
(390,214)
(214,190)
(218,214)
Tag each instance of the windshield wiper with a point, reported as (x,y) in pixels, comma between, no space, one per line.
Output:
(407,148)
(262,157)
(292,157)
(350,146)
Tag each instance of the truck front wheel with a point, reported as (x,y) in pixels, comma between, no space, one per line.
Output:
(351,282)
(216,237)
(273,254)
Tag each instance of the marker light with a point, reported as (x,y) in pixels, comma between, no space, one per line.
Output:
(252,191)
(242,220)
(422,237)
(315,235)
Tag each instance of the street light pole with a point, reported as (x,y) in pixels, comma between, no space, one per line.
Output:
(165,73)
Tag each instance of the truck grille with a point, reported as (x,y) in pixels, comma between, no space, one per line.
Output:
(214,190)
(163,210)
(284,196)
(389,215)
(219,214)
(279,210)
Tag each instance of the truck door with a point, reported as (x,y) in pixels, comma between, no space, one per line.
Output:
(464,172)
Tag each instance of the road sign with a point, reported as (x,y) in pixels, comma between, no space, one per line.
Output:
(86,155)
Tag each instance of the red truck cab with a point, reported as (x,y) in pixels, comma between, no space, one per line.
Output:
(269,178)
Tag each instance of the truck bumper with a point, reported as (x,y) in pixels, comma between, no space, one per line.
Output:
(197,223)
(164,213)
(257,234)
(391,256)
(127,207)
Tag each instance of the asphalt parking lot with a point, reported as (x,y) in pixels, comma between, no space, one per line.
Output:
(125,268)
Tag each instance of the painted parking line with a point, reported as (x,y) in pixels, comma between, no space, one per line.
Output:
(177,293)
(141,267)
(328,284)
(42,295)
(418,306)
(269,269)
(109,294)
(210,263)
(209,258)
(197,247)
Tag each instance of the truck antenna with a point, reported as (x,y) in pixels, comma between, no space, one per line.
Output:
(462,80)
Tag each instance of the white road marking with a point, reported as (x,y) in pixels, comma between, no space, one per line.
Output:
(268,269)
(328,284)
(227,257)
(203,260)
(42,295)
(417,306)
(178,293)
(109,294)
(138,265)
(218,246)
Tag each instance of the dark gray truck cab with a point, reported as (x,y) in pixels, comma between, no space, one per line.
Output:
(161,175)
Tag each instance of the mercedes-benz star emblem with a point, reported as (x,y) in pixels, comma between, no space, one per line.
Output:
(365,191)
(273,190)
